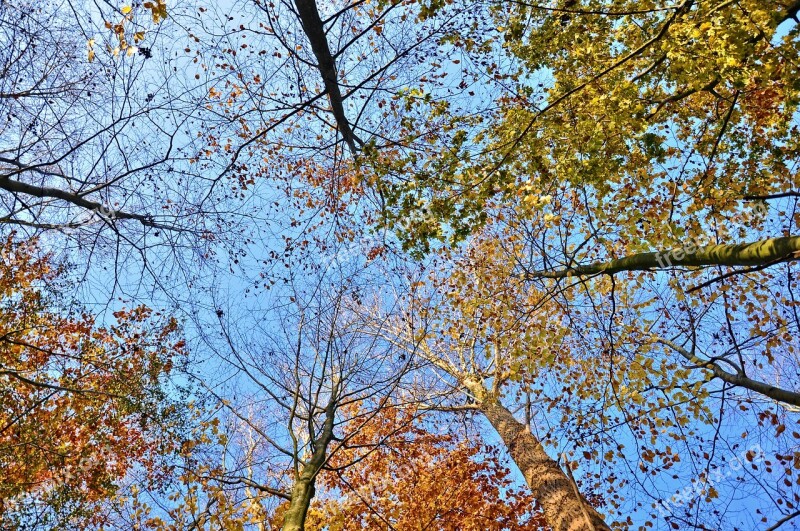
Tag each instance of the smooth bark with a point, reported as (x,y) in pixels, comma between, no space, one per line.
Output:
(771,250)
(739,378)
(315,31)
(304,488)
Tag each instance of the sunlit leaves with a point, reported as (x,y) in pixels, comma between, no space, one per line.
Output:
(411,478)
(81,404)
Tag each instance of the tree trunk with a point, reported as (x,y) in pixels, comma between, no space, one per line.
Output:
(302,493)
(304,486)
(564,507)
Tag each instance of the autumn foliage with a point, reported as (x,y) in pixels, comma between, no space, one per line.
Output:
(445,264)
(395,473)
(80,404)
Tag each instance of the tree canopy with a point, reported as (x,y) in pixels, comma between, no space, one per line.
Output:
(400,264)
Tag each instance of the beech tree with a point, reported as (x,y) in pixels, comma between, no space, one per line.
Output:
(639,173)
(289,374)
(595,204)
(99,153)
(475,327)
(81,404)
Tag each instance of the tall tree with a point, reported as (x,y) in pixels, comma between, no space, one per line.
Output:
(640,173)
(474,326)
(289,368)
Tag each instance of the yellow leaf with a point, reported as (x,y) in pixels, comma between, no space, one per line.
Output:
(126,9)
